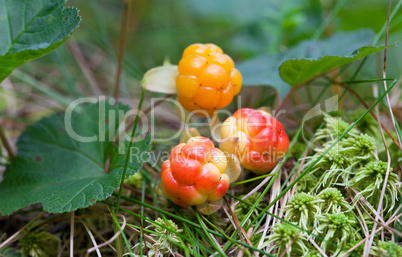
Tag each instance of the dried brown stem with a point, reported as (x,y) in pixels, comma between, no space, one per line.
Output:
(79,57)
(124,25)
(384,73)
(237,222)
(364,240)
(6,144)
(291,243)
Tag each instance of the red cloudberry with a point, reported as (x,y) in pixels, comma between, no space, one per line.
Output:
(195,173)
(256,138)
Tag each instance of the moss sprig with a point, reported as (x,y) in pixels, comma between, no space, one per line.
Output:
(307,183)
(334,165)
(135,180)
(369,180)
(302,209)
(333,201)
(289,238)
(386,249)
(313,253)
(40,243)
(338,229)
(362,147)
(358,252)
(163,246)
(335,127)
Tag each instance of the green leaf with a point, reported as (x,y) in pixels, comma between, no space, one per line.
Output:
(30,29)
(307,60)
(64,174)
(263,71)
(298,71)
(9,252)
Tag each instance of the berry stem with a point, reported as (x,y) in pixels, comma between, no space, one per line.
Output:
(128,151)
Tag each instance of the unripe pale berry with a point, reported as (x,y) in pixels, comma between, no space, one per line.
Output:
(256,138)
(207,79)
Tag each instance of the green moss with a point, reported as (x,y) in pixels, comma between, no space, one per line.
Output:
(287,238)
(40,244)
(369,180)
(337,229)
(301,209)
(387,249)
(333,201)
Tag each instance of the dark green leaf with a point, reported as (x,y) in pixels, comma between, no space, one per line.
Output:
(299,71)
(64,174)
(312,58)
(263,71)
(9,252)
(31,29)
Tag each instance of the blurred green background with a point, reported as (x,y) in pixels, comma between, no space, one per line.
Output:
(244,29)
(163,28)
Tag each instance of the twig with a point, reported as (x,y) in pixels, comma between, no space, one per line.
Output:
(111,240)
(150,169)
(363,221)
(291,243)
(369,243)
(212,237)
(364,240)
(298,171)
(281,103)
(6,144)
(92,238)
(76,51)
(124,25)
(248,234)
(388,227)
(274,192)
(142,233)
(364,201)
(317,247)
(148,238)
(372,114)
(237,222)
(72,235)
(275,189)
(226,210)
(384,73)
(62,248)
(11,238)
(90,226)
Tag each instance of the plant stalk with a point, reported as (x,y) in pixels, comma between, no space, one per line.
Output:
(124,25)
(6,144)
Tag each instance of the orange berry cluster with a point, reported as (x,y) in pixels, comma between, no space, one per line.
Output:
(207,79)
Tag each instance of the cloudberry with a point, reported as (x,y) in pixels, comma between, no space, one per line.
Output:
(195,173)
(207,79)
(257,138)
